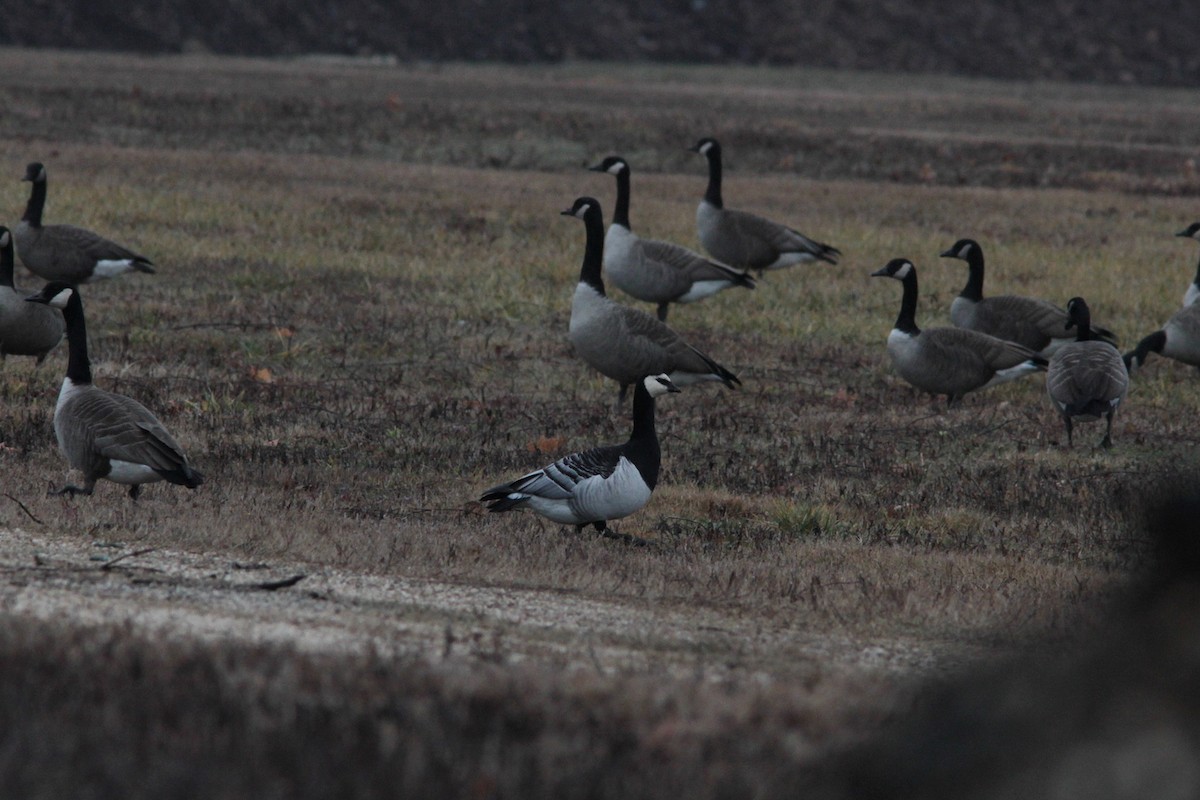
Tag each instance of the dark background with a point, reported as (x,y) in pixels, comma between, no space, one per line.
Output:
(1110,41)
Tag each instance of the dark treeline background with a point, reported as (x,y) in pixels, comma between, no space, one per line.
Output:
(1111,41)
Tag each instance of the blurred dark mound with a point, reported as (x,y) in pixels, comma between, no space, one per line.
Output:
(1102,41)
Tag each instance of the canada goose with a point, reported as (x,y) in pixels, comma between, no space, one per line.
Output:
(102,434)
(652,270)
(1193,291)
(25,329)
(594,486)
(1037,324)
(65,252)
(949,361)
(746,240)
(625,343)
(1178,339)
(1087,378)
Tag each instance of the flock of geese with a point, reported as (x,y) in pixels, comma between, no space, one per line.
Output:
(109,436)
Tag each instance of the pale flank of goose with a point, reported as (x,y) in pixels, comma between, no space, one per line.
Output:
(746,240)
(26,329)
(65,252)
(949,361)
(103,434)
(1193,291)
(1037,324)
(1179,339)
(1087,378)
(652,270)
(594,486)
(624,343)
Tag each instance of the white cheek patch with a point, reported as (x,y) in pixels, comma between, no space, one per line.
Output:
(60,300)
(964,252)
(583,210)
(704,148)
(5,238)
(903,271)
(618,168)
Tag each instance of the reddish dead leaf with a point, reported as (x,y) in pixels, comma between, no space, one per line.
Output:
(261,375)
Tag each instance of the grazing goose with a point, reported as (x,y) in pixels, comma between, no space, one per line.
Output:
(1178,339)
(949,361)
(1087,378)
(625,343)
(65,252)
(25,329)
(594,486)
(655,271)
(1193,291)
(1037,324)
(747,240)
(102,434)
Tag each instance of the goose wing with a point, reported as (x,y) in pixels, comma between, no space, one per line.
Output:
(764,239)
(1026,320)
(1082,373)
(558,480)
(91,244)
(655,348)
(971,347)
(121,428)
(690,264)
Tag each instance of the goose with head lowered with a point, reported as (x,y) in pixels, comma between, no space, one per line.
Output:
(1087,378)
(746,240)
(949,361)
(65,252)
(25,329)
(652,270)
(103,434)
(1193,291)
(624,343)
(1037,324)
(597,485)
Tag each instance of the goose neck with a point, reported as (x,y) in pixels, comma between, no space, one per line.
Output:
(643,449)
(36,204)
(6,265)
(621,210)
(593,251)
(973,291)
(79,368)
(907,320)
(713,193)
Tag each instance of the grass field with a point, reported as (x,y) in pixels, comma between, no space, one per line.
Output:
(359,323)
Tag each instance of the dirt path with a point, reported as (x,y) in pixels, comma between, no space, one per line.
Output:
(168,593)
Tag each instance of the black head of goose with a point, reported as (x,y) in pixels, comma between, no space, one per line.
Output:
(746,240)
(103,434)
(652,270)
(1037,324)
(26,329)
(624,343)
(1193,291)
(65,252)
(1087,379)
(948,361)
(594,486)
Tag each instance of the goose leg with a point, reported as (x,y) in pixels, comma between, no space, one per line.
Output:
(134,491)
(1070,429)
(621,396)
(662,310)
(70,490)
(1106,442)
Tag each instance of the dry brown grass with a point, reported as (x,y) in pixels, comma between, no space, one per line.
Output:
(360,316)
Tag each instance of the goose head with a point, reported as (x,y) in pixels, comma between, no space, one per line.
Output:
(5,238)
(963,249)
(898,268)
(613,165)
(1191,231)
(658,385)
(583,208)
(707,146)
(54,293)
(1078,313)
(35,173)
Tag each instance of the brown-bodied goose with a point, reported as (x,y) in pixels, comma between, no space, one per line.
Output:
(1087,378)
(25,329)
(949,361)
(594,486)
(1037,324)
(652,270)
(65,252)
(624,343)
(746,240)
(102,434)
(1193,291)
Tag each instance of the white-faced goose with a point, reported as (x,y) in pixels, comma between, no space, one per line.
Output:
(652,270)
(949,361)
(1087,378)
(594,486)
(1193,291)
(25,329)
(1037,324)
(746,240)
(65,252)
(102,434)
(624,343)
